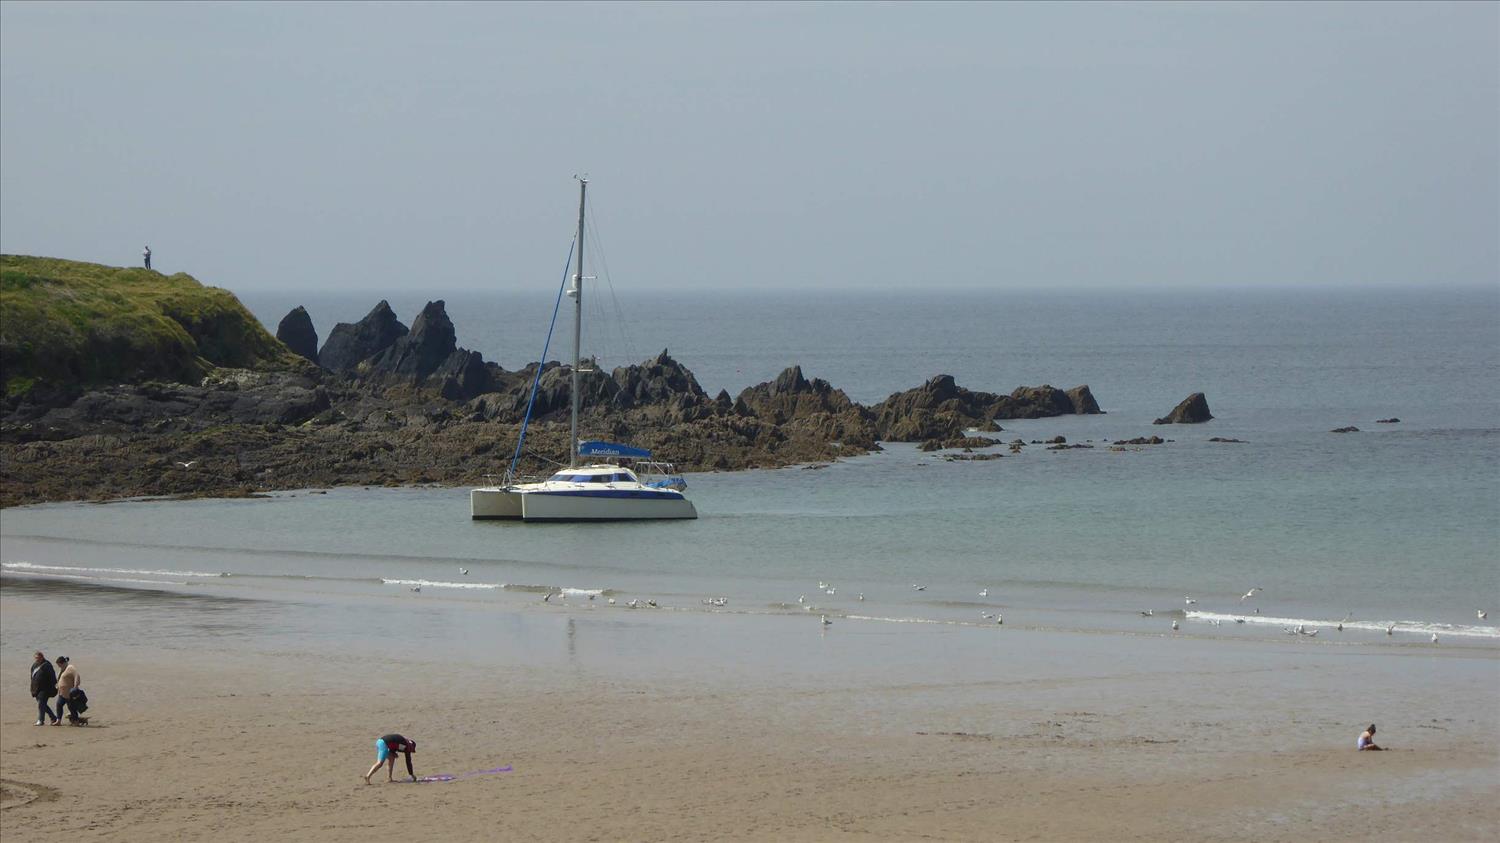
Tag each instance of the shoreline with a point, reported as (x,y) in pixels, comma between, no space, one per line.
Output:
(657,726)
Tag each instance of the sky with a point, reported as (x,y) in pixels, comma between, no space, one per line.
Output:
(347,147)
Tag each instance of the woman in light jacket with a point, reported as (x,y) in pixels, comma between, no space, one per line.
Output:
(67,680)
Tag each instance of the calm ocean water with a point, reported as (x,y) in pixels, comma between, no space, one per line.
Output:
(1397,523)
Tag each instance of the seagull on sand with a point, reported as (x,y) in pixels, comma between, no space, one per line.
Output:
(1481,614)
(1239,620)
(1174,626)
(984,592)
(999,619)
(825,621)
(1190,601)
(1251,593)
(822,586)
(464,571)
(986,615)
(188,464)
(861,596)
(634,603)
(1148,613)
(1390,629)
(1434,637)
(919,587)
(611,601)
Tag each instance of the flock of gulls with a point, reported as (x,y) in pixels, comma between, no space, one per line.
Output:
(999,619)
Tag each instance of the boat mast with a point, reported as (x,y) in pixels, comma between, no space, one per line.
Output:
(577,295)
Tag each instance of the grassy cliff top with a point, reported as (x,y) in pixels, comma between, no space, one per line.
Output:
(66,324)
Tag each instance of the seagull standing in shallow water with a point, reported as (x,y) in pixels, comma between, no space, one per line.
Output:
(1434,637)
(1174,626)
(1481,614)
(1190,601)
(824,619)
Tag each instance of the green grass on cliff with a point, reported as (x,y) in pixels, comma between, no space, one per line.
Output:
(65,323)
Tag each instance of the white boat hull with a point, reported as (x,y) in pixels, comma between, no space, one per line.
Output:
(531,505)
(494,504)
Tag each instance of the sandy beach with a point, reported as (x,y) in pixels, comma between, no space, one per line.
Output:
(761,728)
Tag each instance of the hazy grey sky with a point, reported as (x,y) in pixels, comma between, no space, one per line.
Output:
(349,146)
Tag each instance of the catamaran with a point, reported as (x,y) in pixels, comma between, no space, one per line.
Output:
(599,491)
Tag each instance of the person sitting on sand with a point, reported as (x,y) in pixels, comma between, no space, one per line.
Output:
(67,682)
(1367,740)
(386,748)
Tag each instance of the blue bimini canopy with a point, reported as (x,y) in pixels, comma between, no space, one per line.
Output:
(611,449)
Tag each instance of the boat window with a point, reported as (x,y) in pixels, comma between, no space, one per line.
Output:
(564,477)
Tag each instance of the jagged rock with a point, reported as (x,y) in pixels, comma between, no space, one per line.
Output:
(429,344)
(1222,439)
(791,396)
(1388,421)
(1192,410)
(463,375)
(1057,440)
(930,411)
(1061,446)
(348,345)
(1350,429)
(1083,401)
(1034,402)
(659,380)
(296,331)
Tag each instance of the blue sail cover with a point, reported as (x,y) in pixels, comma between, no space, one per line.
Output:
(611,449)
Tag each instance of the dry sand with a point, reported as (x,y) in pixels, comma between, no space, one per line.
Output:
(255,746)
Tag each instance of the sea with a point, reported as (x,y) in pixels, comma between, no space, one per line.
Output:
(1381,537)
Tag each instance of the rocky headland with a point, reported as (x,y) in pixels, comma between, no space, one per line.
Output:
(125,382)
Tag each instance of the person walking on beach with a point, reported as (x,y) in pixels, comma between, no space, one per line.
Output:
(147,255)
(68,681)
(1367,740)
(386,748)
(43,687)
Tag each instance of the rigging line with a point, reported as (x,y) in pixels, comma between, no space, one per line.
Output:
(535,379)
(627,347)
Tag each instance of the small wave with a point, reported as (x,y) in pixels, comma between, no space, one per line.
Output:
(32,567)
(96,579)
(904,620)
(1410,627)
(565,590)
(440,584)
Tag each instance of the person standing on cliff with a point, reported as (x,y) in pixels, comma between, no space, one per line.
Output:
(146,253)
(43,687)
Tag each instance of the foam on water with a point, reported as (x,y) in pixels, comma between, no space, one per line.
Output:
(488,586)
(80,572)
(1423,628)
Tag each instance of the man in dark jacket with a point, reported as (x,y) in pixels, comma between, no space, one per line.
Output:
(43,687)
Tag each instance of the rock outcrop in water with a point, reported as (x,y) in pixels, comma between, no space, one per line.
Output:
(392,405)
(297,333)
(1192,410)
(941,409)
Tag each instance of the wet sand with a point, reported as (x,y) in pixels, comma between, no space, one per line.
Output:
(752,729)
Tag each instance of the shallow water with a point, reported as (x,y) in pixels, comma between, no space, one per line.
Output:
(1395,524)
